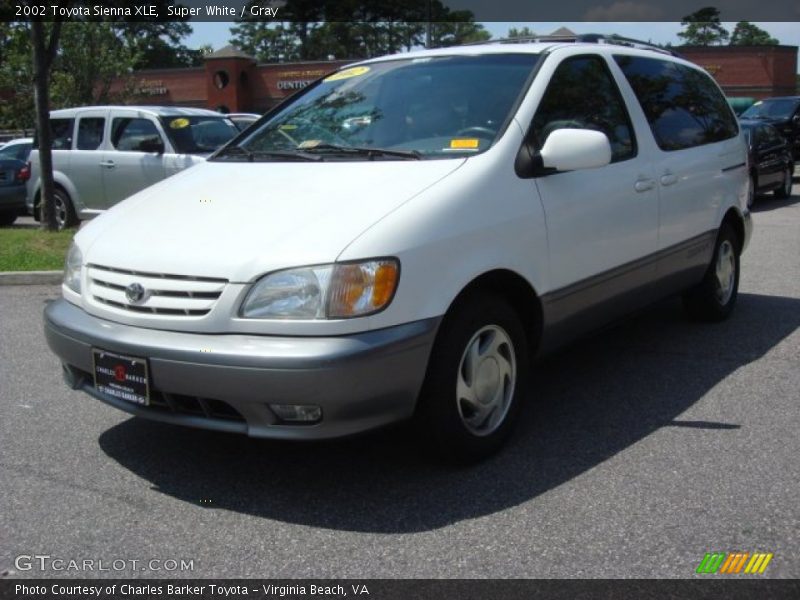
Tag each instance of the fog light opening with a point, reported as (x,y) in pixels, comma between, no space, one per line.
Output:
(297,413)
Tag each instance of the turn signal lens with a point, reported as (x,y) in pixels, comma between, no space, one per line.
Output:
(362,288)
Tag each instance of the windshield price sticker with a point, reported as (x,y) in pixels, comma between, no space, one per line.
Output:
(347,73)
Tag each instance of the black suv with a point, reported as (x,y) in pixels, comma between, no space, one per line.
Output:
(783,114)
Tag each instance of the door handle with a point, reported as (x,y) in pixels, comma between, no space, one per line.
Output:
(669,179)
(643,185)
(108,164)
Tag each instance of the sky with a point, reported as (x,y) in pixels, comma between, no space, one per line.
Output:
(218,34)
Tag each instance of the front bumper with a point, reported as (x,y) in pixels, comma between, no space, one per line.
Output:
(361,381)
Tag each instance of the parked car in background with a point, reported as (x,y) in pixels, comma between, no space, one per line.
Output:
(243,120)
(393,242)
(103,154)
(784,114)
(741,104)
(19,149)
(770,159)
(13,175)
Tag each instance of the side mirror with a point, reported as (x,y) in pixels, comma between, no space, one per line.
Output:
(152,144)
(574,149)
(564,150)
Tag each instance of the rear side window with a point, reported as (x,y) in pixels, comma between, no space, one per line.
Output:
(127,134)
(582,94)
(683,105)
(90,133)
(60,133)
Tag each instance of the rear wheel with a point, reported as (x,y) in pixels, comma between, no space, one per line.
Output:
(786,185)
(475,380)
(713,298)
(65,213)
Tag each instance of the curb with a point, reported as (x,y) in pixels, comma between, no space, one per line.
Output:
(31,277)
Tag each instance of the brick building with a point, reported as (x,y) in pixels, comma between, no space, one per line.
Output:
(748,71)
(230,81)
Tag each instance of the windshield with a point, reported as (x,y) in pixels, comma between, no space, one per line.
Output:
(781,108)
(198,135)
(423,107)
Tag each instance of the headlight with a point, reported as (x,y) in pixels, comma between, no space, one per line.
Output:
(72,269)
(335,291)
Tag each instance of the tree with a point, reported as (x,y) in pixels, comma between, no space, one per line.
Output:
(44,41)
(525,32)
(16,77)
(703,28)
(91,57)
(157,45)
(748,34)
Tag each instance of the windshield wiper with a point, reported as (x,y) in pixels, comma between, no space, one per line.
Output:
(369,152)
(255,155)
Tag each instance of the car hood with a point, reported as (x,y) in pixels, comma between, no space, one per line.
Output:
(240,220)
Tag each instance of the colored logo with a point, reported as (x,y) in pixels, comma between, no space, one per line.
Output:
(119,373)
(734,562)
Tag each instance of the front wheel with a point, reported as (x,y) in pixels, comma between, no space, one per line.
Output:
(786,185)
(475,381)
(713,298)
(751,191)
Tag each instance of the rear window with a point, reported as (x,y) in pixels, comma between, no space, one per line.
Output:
(683,106)
(61,134)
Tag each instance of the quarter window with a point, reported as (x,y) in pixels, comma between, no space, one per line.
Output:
(683,105)
(583,95)
(90,133)
(129,133)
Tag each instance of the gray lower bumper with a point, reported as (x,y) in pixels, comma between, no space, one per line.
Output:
(361,381)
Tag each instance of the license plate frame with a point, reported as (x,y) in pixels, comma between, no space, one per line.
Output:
(121,376)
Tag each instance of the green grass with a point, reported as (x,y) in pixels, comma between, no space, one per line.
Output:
(33,249)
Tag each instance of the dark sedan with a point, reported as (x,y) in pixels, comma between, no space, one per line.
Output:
(784,114)
(13,175)
(771,163)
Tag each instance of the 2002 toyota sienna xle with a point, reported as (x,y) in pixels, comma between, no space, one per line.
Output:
(103,154)
(399,239)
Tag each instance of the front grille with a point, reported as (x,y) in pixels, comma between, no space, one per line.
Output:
(178,404)
(191,405)
(172,295)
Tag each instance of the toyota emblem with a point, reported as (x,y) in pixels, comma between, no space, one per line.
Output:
(134,293)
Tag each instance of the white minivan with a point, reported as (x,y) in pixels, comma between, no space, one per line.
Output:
(401,238)
(103,154)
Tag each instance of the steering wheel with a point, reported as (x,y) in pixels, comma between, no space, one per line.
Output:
(486,131)
(326,134)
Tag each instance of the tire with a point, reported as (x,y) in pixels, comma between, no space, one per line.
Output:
(751,191)
(786,185)
(476,380)
(7,218)
(65,213)
(713,298)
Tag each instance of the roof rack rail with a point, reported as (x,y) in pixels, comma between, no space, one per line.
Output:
(586,38)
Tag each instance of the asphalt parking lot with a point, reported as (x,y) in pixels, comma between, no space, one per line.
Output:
(641,449)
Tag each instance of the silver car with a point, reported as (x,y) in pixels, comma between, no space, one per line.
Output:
(103,154)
